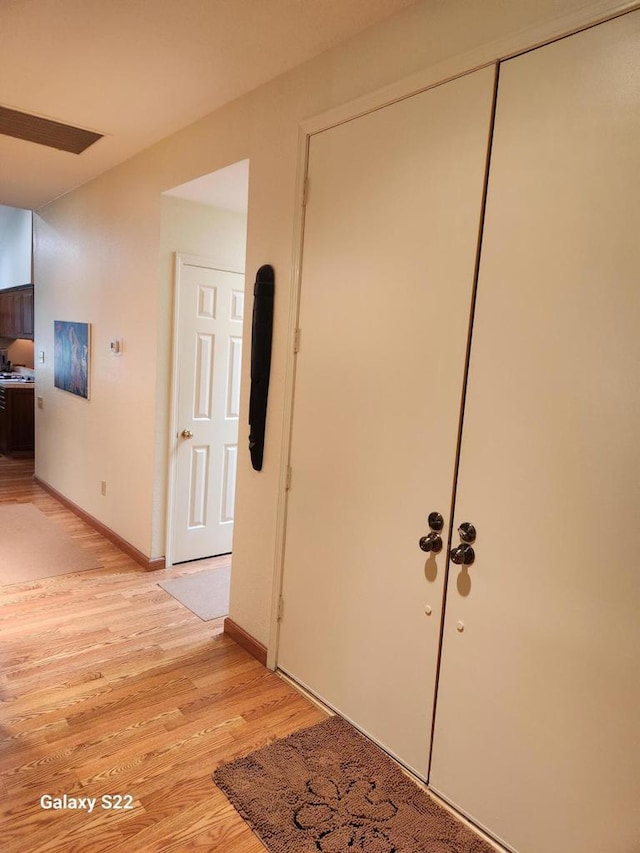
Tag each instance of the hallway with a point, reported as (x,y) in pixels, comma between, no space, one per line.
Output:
(109,686)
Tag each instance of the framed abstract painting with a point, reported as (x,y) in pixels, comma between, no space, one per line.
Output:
(71,357)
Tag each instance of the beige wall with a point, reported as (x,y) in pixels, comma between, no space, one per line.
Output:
(98,249)
(96,261)
(193,229)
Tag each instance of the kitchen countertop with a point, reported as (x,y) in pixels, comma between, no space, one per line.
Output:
(11,383)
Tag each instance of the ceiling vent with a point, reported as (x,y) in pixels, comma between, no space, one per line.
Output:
(64,137)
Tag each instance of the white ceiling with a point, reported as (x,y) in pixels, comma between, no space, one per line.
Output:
(227,188)
(138,70)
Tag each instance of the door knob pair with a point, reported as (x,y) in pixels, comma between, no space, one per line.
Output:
(463,554)
(433,541)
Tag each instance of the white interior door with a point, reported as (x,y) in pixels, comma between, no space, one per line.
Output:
(390,248)
(537,732)
(210,305)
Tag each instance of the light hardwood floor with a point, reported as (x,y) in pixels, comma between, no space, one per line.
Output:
(109,686)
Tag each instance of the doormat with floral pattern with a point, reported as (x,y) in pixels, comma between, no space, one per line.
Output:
(328,789)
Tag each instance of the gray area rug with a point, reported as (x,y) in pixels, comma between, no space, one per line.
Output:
(328,789)
(33,546)
(205,593)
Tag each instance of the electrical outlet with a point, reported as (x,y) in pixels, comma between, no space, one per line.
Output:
(103,487)
(40,401)
(41,357)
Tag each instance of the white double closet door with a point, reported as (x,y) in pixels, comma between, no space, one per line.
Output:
(529,656)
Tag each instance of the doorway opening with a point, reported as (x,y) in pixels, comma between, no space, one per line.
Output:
(17,364)
(204,234)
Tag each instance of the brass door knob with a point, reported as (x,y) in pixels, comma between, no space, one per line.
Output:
(186,433)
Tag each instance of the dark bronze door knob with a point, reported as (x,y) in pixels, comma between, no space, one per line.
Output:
(431,542)
(463,555)
(467,532)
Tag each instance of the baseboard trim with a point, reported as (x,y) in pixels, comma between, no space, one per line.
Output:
(248,643)
(147,563)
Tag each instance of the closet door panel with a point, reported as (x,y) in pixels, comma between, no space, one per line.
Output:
(390,247)
(537,733)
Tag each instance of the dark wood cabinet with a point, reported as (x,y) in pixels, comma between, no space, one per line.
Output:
(17,420)
(16,312)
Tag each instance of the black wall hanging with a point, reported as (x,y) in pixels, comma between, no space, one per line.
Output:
(261,335)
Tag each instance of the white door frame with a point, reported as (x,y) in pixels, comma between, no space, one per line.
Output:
(181,260)
(456,66)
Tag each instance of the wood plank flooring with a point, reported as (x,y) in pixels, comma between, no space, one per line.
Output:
(109,686)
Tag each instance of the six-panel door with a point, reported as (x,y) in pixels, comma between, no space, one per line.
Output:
(211,310)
